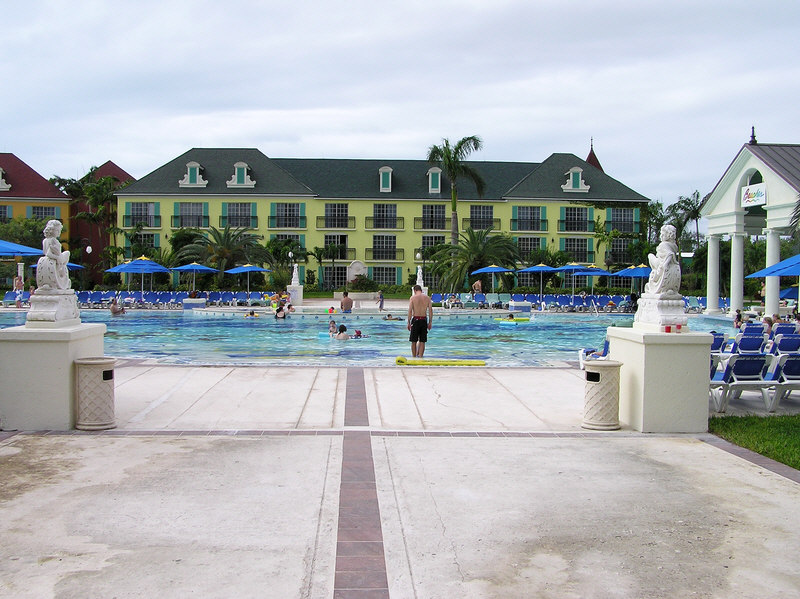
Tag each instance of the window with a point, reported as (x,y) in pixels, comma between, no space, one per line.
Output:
(142,213)
(529,218)
(5,214)
(239,214)
(575,219)
(384,247)
(193,176)
(334,277)
(336,216)
(241,176)
(287,216)
(432,240)
(527,245)
(619,250)
(43,212)
(190,214)
(385,173)
(578,248)
(575,182)
(141,242)
(621,220)
(434,180)
(338,240)
(480,217)
(384,216)
(433,217)
(384,275)
(287,236)
(4,185)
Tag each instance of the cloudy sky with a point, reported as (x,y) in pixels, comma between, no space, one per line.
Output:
(668,90)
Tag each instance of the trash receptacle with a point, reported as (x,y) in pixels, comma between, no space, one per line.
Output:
(94,393)
(601,395)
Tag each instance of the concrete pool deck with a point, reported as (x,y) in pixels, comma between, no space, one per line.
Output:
(385,482)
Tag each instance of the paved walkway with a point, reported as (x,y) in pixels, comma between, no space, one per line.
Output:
(402,483)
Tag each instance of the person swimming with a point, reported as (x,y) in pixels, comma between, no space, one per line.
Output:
(342,334)
(332,329)
(390,317)
(251,314)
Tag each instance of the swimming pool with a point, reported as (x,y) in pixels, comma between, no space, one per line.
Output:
(177,337)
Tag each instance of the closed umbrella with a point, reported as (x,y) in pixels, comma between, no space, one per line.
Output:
(571,267)
(248,268)
(491,269)
(194,268)
(540,268)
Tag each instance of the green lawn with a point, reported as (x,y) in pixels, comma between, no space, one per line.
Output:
(776,437)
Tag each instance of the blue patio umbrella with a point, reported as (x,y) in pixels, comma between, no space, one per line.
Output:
(785,268)
(248,268)
(491,269)
(70,266)
(591,271)
(540,268)
(194,268)
(634,272)
(141,265)
(572,267)
(8,248)
(790,293)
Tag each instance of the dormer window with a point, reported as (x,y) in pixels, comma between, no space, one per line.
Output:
(241,176)
(385,173)
(575,182)
(193,176)
(4,186)
(434,180)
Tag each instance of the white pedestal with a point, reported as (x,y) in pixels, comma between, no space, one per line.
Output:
(295,294)
(190,303)
(37,374)
(663,379)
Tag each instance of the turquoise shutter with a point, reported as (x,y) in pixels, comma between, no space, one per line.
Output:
(562,216)
(301,274)
(157,240)
(303,241)
(636,220)
(58,211)
(561,245)
(399,275)
(29,212)
(369,272)
(543,216)
(225,209)
(514,218)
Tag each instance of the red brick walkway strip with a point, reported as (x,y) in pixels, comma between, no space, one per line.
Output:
(360,563)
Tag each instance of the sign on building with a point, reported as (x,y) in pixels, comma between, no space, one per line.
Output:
(754,195)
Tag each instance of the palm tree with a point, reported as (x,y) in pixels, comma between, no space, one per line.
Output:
(277,252)
(452,162)
(223,248)
(475,250)
(329,252)
(605,238)
(690,206)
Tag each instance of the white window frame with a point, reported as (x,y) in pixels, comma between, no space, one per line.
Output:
(4,185)
(384,188)
(241,168)
(434,186)
(575,182)
(197,169)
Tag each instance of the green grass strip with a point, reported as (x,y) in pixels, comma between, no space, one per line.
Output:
(776,437)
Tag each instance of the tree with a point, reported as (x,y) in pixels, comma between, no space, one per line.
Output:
(475,250)
(605,238)
(676,218)
(223,248)
(452,162)
(330,252)
(277,252)
(653,218)
(690,207)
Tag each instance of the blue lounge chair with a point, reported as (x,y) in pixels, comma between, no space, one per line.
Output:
(786,344)
(741,373)
(752,328)
(784,328)
(718,342)
(592,353)
(788,379)
(749,344)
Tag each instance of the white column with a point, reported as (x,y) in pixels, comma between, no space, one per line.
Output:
(773,287)
(712,275)
(737,272)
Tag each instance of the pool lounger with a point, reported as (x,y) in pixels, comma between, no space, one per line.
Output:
(403,361)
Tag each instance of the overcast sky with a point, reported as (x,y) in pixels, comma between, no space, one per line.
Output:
(668,90)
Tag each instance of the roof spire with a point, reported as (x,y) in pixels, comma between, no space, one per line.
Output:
(753,140)
(592,158)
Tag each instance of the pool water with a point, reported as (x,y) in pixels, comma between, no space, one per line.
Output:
(177,337)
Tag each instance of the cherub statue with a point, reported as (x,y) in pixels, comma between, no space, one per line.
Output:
(665,277)
(51,270)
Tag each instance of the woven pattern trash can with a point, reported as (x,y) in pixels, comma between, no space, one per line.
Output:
(601,395)
(94,393)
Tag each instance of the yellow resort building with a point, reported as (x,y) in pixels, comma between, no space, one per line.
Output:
(382,213)
(26,193)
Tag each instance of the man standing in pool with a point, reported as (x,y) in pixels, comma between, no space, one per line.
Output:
(420,321)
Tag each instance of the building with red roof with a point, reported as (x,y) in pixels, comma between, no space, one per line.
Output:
(26,193)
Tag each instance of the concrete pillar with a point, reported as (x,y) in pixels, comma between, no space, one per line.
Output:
(712,275)
(773,287)
(737,272)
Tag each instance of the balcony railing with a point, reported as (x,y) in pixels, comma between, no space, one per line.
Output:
(238,222)
(336,222)
(623,226)
(478,224)
(579,256)
(386,254)
(152,221)
(528,224)
(193,222)
(343,254)
(586,226)
(384,222)
(618,257)
(287,222)
(431,223)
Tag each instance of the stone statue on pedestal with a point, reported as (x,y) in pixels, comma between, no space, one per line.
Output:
(51,270)
(420,282)
(54,302)
(295,276)
(662,303)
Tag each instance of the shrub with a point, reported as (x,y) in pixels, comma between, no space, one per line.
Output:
(362,283)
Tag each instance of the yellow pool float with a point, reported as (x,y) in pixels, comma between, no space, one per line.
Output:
(403,361)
